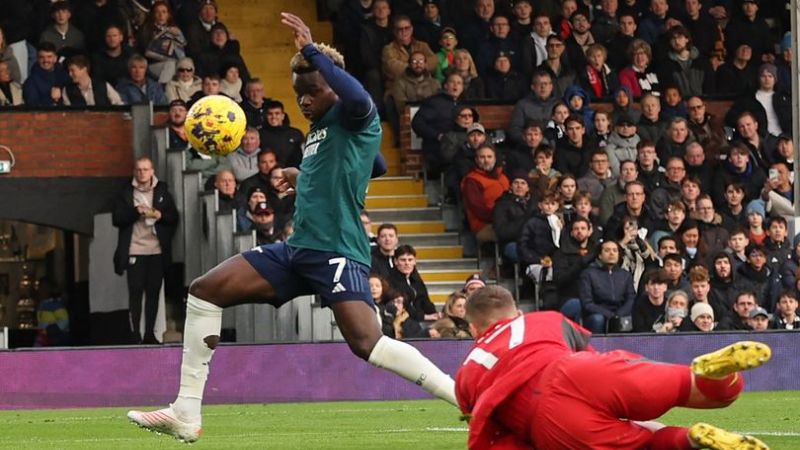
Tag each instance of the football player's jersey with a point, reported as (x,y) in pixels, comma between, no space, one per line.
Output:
(332,186)
(507,355)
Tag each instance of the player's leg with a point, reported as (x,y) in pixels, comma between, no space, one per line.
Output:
(232,282)
(717,382)
(360,328)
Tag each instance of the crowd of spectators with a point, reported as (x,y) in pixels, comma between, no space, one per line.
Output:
(612,186)
(116,52)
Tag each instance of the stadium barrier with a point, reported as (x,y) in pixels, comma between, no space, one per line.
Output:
(96,377)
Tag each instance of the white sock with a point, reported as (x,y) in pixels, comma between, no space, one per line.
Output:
(409,363)
(203,319)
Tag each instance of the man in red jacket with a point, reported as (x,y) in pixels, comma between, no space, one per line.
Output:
(481,188)
(531,381)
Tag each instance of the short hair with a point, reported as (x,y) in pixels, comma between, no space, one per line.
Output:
(698,274)
(273,104)
(489,304)
(387,226)
(59,6)
(572,118)
(598,152)
(79,61)
(748,294)
(252,81)
(135,59)
(549,197)
(691,179)
(533,123)
(543,149)
(677,204)
(541,73)
(657,276)
(399,18)
(299,64)
(668,237)
(778,219)
(735,185)
(788,294)
(737,230)
(597,48)
(645,143)
(581,219)
(212,76)
(485,145)
(627,161)
(404,249)
(46,46)
(581,196)
(634,183)
(746,114)
(266,151)
(674,257)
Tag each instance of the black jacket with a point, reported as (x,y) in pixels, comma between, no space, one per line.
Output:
(434,117)
(417,301)
(536,240)
(568,265)
(605,291)
(124,215)
(509,216)
(286,141)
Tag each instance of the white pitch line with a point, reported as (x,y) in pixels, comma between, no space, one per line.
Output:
(771,433)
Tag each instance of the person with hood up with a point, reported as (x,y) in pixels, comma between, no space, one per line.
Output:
(577,101)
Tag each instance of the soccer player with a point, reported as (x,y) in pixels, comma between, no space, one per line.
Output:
(328,254)
(533,381)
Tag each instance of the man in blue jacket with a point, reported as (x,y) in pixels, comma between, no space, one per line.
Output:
(605,289)
(47,77)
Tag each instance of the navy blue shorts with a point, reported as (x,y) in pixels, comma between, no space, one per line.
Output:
(294,271)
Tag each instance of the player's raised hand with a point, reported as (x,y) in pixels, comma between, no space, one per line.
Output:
(302,33)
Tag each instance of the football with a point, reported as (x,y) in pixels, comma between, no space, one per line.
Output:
(215,125)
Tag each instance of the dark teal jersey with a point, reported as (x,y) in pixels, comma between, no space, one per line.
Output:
(332,186)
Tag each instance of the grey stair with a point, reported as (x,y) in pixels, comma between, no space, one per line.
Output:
(404,214)
(447,264)
(444,287)
(430,239)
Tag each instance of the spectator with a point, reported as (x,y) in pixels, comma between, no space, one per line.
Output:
(434,118)
(374,34)
(447,52)
(225,184)
(67,39)
(537,106)
(598,178)
(463,162)
(776,245)
(757,276)
(778,191)
(784,153)
(253,196)
(573,153)
(673,265)
(697,166)
(231,83)
(145,214)
(7,57)
(138,88)
(694,250)
(284,140)
(577,101)
(673,106)
(383,253)
(771,109)
(266,161)
(597,78)
(481,188)
(465,66)
(751,29)
(649,309)
(606,291)
(614,194)
(511,212)
(500,40)
(474,29)
(264,224)
(714,235)
(618,56)
(281,199)
(429,27)
(738,169)
(580,39)
(605,23)
(198,29)
(212,85)
(244,161)
(567,192)
(395,55)
(761,145)
(253,104)
(405,278)
(739,74)
(674,142)
(221,53)
(639,77)
(47,77)
(403,325)
(10,90)
(671,188)
(673,217)
(786,317)
(633,207)
(650,173)
(86,90)
(576,252)
(185,83)
(683,64)
(111,62)
(702,316)
(737,247)
(541,233)
(723,285)
(414,84)
(161,42)
(651,126)
(622,143)
(655,23)
(783,62)
(557,64)
(94,17)
(463,120)
(623,105)
(455,310)
(522,22)
(382,297)
(759,319)
(534,45)
(175,123)
(701,124)
(523,157)
(756,219)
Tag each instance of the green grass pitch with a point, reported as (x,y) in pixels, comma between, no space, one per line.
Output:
(413,425)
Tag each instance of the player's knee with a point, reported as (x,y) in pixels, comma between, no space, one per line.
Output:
(362,347)
(202,289)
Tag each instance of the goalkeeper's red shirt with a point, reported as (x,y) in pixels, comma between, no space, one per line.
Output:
(507,355)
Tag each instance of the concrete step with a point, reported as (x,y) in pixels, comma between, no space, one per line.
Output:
(444,287)
(468,264)
(449,239)
(445,275)
(393,214)
(439,252)
(388,185)
(397,201)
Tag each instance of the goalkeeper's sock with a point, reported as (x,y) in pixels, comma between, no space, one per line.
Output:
(200,337)
(670,438)
(723,390)
(409,363)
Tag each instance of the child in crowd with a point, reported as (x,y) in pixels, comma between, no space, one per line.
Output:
(542,233)
(556,128)
(446,55)
(786,316)
(755,222)
(602,128)
(543,177)
(737,244)
(578,103)
(778,247)
(566,189)
(673,105)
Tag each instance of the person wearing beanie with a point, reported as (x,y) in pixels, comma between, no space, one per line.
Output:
(702,316)
(473,283)
(756,216)
(784,63)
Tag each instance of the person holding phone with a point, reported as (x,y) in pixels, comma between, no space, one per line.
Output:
(778,192)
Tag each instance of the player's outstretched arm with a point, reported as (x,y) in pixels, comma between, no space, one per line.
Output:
(355,99)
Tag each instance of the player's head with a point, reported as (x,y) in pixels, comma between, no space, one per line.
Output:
(314,95)
(487,305)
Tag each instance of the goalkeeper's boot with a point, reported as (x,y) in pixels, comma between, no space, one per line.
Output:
(709,436)
(736,357)
(166,421)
